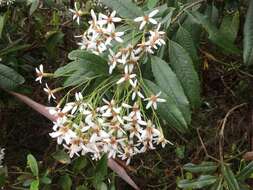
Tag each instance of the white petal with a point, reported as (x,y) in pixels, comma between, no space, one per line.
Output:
(153,13)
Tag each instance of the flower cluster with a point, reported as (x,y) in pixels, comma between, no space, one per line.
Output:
(110,129)
(6,2)
(118,126)
(1,156)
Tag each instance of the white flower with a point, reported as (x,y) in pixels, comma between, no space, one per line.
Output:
(127,77)
(161,140)
(136,91)
(63,133)
(93,23)
(132,62)
(77,13)
(147,19)
(156,38)
(113,59)
(109,20)
(39,73)
(77,104)
(1,156)
(49,92)
(114,36)
(76,145)
(144,47)
(153,99)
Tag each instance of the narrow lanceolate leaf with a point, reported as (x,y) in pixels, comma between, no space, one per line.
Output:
(168,110)
(32,163)
(170,85)
(201,182)
(125,8)
(246,172)
(248,37)
(184,38)
(214,35)
(230,178)
(35,185)
(2,18)
(230,26)
(204,167)
(182,65)
(217,185)
(9,78)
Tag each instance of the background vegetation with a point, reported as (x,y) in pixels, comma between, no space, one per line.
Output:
(209,56)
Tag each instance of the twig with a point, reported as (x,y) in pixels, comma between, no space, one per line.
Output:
(221,134)
(184,9)
(204,148)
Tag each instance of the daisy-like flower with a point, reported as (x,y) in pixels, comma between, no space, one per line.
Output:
(114,36)
(127,77)
(1,156)
(49,92)
(78,104)
(39,73)
(136,90)
(109,20)
(63,133)
(156,38)
(161,140)
(147,19)
(143,47)
(76,145)
(132,62)
(113,60)
(93,23)
(153,99)
(77,13)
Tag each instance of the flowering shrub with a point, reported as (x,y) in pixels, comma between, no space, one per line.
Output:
(113,118)
(144,72)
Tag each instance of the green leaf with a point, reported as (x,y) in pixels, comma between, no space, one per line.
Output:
(35,185)
(204,167)
(230,178)
(217,185)
(79,164)
(69,68)
(170,85)
(32,163)
(230,26)
(94,62)
(102,186)
(53,39)
(100,172)
(61,156)
(9,78)
(46,180)
(214,35)
(77,78)
(202,181)
(13,48)
(184,38)
(125,8)
(81,187)
(152,3)
(168,110)
(65,182)
(248,37)
(182,65)
(246,172)
(34,5)
(2,19)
